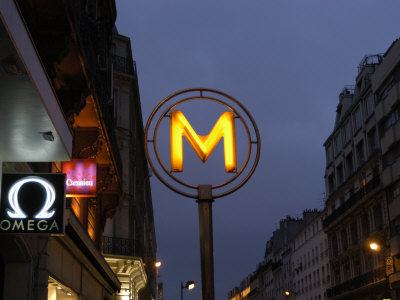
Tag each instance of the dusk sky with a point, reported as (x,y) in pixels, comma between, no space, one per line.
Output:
(287,62)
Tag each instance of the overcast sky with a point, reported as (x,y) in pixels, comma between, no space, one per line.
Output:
(287,62)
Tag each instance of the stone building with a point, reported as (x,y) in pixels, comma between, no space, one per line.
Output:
(310,260)
(360,182)
(56,105)
(129,237)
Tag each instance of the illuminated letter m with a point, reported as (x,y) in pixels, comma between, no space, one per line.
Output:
(202,145)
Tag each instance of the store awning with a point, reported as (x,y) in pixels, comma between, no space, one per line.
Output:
(32,124)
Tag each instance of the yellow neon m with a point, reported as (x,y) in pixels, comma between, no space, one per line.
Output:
(202,145)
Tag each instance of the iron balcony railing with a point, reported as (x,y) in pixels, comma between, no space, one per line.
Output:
(353,200)
(357,282)
(123,64)
(118,246)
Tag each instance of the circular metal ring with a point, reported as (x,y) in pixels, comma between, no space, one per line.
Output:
(210,99)
(202,97)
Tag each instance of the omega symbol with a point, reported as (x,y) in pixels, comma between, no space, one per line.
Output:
(45,212)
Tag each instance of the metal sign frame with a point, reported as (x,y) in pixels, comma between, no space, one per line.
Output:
(204,193)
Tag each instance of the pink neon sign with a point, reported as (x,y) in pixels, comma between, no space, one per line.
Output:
(81,177)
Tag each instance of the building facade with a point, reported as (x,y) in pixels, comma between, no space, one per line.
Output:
(310,260)
(57,104)
(360,173)
(129,238)
(295,263)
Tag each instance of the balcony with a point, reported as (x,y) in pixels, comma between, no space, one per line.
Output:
(352,201)
(118,246)
(123,64)
(357,282)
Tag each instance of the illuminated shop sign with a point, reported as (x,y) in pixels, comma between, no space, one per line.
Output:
(32,203)
(81,177)
(203,145)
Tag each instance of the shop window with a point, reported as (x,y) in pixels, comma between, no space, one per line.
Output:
(59,291)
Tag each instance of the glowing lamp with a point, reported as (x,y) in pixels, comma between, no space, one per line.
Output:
(374,246)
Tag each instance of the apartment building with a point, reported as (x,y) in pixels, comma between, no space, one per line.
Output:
(57,108)
(310,260)
(129,236)
(295,265)
(360,170)
(386,90)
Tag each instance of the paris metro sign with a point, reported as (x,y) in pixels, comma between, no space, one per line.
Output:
(203,145)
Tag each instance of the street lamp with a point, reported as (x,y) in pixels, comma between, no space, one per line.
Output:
(374,246)
(189,285)
(157,265)
(289,293)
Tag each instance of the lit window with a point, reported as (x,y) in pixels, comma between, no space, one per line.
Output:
(59,291)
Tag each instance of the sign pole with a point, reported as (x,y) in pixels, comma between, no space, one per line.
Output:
(206,241)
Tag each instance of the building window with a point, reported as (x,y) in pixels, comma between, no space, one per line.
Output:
(378,217)
(369,105)
(329,153)
(360,152)
(390,121)
(354,233)
(357,119)
(372,140)
(339,174)
(390,156)
(387,86)
(59,291)
(347,131)
(334,245)
(331,183)
(338,143)
(365,225)
(345,245)
(349,164)
(357,267)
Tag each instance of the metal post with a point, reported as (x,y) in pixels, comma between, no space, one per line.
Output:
(206,241)
(181,290)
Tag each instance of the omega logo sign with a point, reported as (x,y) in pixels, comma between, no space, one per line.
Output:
(203,145)
(32,203)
